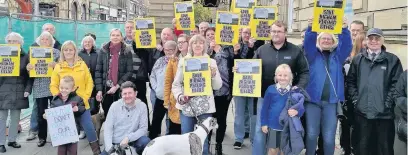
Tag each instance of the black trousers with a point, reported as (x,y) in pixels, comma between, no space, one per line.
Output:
(345,136)
(374,136)
(42,104)
(158,115)
(141,94)
(221,106)
(174,128)
(108,99)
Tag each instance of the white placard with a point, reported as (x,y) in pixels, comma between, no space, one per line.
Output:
(61,125)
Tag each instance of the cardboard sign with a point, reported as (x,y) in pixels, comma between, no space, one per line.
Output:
(39,58)
(247,78)
(197,76)
(244,8)
(227,28)
(10,60)
(328,16)
(61,125)
(145,33)
(261,21)
(184,13)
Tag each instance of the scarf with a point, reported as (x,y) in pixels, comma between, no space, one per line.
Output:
(114,63)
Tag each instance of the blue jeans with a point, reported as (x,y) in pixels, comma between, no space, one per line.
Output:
(87,125)
(33,119)
(240,123)
(258,144)
(139,145)
(320,116)
(187,125)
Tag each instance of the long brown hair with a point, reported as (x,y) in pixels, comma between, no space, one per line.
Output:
(358,44)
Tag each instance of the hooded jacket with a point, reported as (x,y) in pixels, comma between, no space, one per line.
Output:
(81,75)
(12,88)
(317,61)
(288,54)
(125,68)
(371,84)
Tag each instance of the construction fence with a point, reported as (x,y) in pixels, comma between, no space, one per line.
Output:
(30,27)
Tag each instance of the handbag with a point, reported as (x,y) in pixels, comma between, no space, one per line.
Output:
(339,109)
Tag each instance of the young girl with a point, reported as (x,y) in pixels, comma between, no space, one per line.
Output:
(66,96)
(274,102)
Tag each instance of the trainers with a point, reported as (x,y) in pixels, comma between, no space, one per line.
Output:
(31,136)
(82,135)
(237,145)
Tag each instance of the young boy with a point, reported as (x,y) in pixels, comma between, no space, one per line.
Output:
(274,103)
(68,96)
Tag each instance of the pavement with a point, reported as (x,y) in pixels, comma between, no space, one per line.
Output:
(30,147)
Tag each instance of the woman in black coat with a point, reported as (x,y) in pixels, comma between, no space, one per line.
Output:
(14,92)
(114,66)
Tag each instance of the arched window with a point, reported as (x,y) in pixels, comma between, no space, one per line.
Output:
(83,11)
(74,11)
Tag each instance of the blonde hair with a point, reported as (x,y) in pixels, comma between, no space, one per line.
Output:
(68,79)
(64,46)
(88,38)
(196,38)
(358,44)
(335,41)
(45,34)
(284,67)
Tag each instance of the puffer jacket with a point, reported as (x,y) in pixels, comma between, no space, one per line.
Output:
(73,99)
(81,75)
(125,68)
(12,88)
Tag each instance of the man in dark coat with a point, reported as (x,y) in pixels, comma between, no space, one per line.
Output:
(371,85)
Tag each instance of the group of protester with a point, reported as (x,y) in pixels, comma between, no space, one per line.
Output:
(350,77)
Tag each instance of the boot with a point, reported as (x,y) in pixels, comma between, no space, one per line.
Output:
(218,149)
(95,147)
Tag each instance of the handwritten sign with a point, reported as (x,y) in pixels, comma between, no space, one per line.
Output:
(61,125)
(244,8)
(247,78)
(39,58)
(197,76)
(184,13)
(145,33)
(227,28)
(9,60)
(328,16)
(261,21)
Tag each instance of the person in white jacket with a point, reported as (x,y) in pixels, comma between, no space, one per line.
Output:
(195,106)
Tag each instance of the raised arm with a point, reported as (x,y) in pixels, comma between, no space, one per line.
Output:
(309,45)
(345,45)
(216,81)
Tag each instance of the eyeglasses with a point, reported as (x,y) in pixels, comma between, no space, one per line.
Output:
(170,50)
(181,42)
(326,39)
(374,38)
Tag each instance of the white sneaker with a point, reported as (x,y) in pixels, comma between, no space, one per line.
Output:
(82,135)
(31,136)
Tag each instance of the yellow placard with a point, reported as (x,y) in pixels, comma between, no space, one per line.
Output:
(244,7)
(10,60)
(247,78)
(227,28)
(184,13)
(197,76)
(261,21)
(39,58)
(145,33)
(328,16)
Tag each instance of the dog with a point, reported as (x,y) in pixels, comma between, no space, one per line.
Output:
(191,143)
